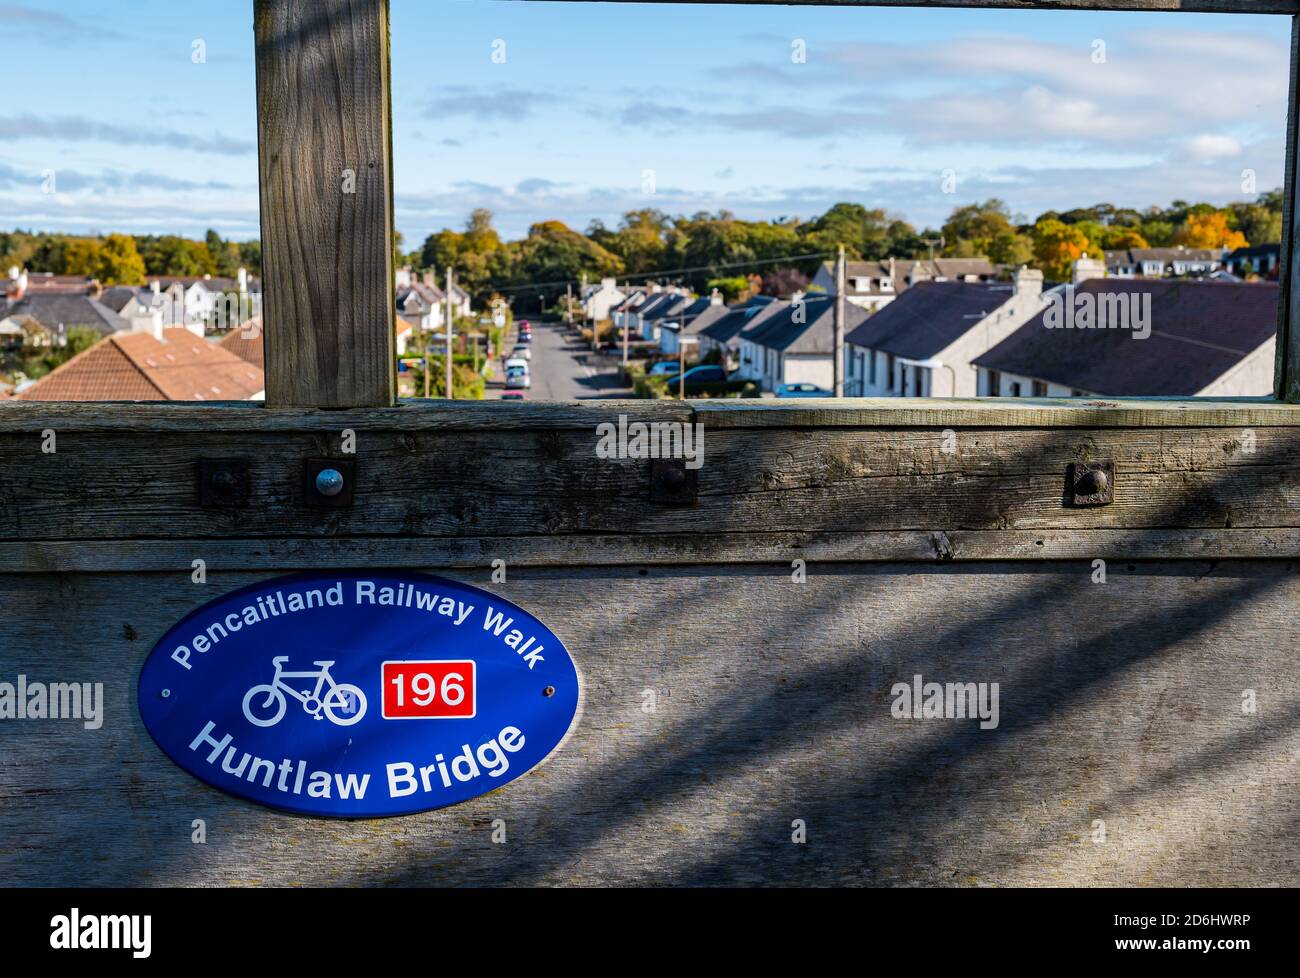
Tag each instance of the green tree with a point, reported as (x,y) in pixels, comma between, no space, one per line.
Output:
(120,262)
(82,257)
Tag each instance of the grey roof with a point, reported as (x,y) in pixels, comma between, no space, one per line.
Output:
(1257,250)
(803,327)
(1199,331)
(659,305)
(1165,254)
(929,317)
(737,318)
(55,310)
(118,297)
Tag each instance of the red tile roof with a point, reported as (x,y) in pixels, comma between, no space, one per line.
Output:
(245,342)
(137,367)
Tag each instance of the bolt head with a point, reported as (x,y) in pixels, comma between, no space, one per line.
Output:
(329,482)
(1092,482)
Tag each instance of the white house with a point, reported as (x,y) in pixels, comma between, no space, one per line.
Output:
(1141,338)
(871,285)
(688,322)
(598,300)
(793,342)
(1175,262)
(936,328)
(646,317)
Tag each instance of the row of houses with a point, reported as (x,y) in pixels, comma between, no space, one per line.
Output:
(974,336)
(170,339)
(38,310)
(422,305)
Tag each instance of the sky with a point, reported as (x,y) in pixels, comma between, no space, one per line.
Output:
(581,111)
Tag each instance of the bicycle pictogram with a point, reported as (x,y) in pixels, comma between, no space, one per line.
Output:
(343,703)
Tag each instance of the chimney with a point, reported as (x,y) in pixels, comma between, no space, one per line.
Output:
(155,287)
(715,298)
(1086,268)
(607,284)
(14,272)
(19,288)
(1029,282)
(243,280)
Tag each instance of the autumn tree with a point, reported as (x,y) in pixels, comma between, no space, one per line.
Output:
(119,261)
(1057,246)
(81,257)
(1209,230)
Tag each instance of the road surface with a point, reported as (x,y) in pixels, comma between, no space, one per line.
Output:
(561,370)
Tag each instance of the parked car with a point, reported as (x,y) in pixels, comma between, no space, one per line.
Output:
(522,350)
(513,396)
(664,368)
(517,373)
(802,389)
(706,373)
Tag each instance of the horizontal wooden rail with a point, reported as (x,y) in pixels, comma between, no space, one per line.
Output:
(416,415)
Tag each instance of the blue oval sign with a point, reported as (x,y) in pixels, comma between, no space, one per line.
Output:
(358,696)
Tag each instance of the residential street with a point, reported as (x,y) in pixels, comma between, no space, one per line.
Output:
(561,370)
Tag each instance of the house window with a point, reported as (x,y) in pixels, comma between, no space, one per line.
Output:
(1015,388)
(994,384)
(889,380)
(1040,389)
(871,367)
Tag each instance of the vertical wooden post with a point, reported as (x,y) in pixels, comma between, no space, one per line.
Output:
(325,165)
(1287,374)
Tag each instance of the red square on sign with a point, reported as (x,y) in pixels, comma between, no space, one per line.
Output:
(440,689)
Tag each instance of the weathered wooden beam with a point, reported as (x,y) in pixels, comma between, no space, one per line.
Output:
(647,550)
(892,412)
(325,167)
(443,482)
(1119,701)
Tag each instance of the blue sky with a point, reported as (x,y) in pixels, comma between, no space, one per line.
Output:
(600,108)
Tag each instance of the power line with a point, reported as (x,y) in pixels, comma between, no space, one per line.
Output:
(538,286)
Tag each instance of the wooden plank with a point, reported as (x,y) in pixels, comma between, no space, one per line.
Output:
(325,168)
(938,413)
(134,484)
(647,550)
(1023,412)
(1186,6)
(32,417)
(1119,702)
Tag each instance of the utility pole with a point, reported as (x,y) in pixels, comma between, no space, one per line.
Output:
(450,283)
(839,324)
(625,314)
(681,368)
